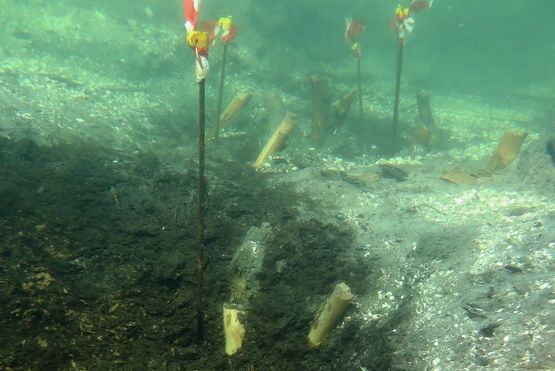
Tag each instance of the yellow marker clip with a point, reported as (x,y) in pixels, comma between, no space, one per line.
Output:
(225,23)
(356,48)
(197,39)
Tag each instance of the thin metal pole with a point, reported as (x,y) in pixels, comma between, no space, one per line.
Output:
(201,204)
(397,92)
(360,90)
(221,92)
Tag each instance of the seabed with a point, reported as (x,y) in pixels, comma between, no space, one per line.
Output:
(97,229)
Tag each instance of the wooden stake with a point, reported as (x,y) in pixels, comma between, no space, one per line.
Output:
(342,108)
(360,90)
(234,330)
(320,97)
(220,93)
(201,194)
(424,109)
(397,92)
(506,150)
(330,313)
(276,140)
(230,112)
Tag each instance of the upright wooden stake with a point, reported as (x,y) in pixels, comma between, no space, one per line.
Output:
(424,109)
(201,193)
(360,90)
(221,93)
(397,92)
(320,96)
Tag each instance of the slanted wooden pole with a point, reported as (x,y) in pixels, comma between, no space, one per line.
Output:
(220,93)
(397,92)
(200,215)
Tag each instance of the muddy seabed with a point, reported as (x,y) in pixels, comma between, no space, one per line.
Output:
(98,260)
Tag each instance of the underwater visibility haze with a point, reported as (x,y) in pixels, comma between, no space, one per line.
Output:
(277,185)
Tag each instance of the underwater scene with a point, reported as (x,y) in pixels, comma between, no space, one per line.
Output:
(277,185)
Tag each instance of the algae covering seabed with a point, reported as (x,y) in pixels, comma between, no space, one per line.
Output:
(98,195)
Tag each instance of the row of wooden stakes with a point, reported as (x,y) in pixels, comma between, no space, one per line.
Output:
(504,154)
(320,118)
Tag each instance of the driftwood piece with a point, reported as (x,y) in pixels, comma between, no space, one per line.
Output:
(458,176)
(361,178)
